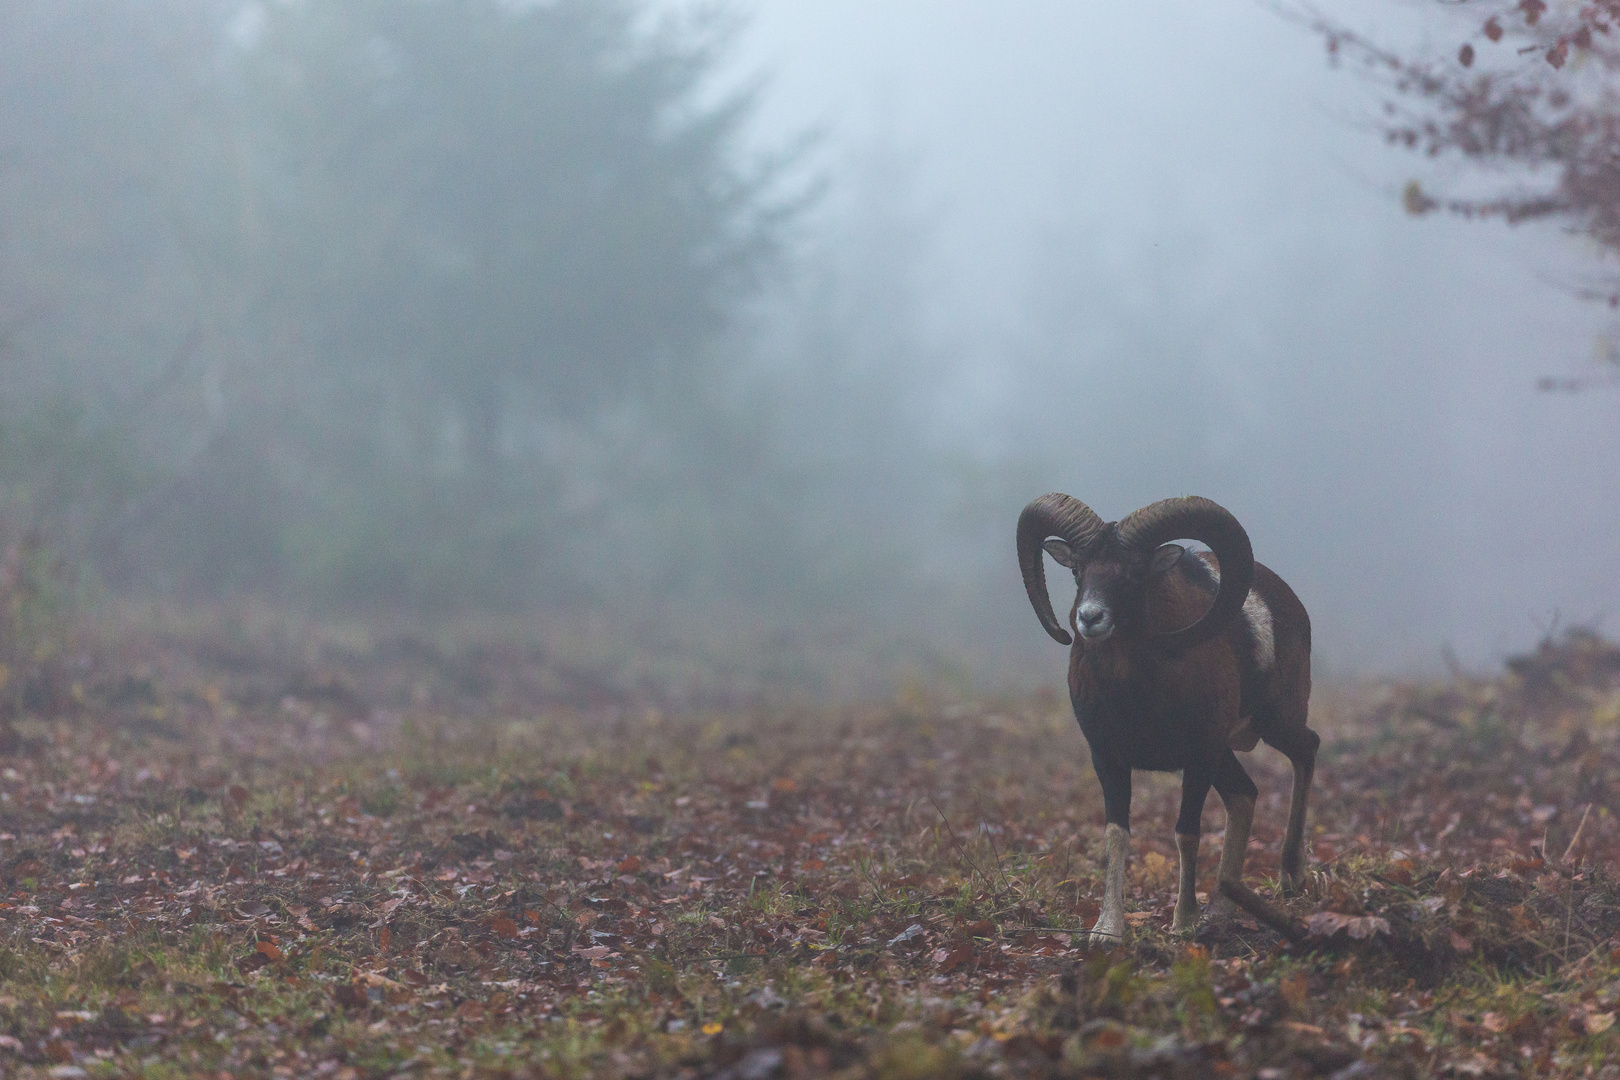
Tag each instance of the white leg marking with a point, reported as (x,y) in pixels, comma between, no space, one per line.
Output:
(1110,928)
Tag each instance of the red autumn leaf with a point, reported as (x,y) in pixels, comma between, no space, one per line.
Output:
(503,927)
(384,936)
(1326,923)
(1532,10)
(1295,989)
(949,959)
(1558,54)
(270,950)
(1360,927)
(253,961)
(1465,55)
(351,996)
(1493,29)
(630,864)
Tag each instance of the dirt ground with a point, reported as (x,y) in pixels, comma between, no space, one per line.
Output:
(229,855)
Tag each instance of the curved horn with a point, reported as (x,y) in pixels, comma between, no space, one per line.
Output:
(1051,515)
(1209,523)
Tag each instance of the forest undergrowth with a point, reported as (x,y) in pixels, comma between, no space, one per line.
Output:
(231,855)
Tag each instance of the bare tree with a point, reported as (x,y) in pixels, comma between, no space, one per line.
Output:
(1531,95)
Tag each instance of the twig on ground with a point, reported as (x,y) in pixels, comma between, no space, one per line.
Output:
(1262,909)
(960,850)
(1573,850)
(995,854)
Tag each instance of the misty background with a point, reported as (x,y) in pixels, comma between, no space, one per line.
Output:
(765,323)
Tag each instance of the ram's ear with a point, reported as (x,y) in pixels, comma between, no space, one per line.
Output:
(1060,551)
(1166,557)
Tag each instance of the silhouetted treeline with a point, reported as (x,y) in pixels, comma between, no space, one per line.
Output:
(450,303)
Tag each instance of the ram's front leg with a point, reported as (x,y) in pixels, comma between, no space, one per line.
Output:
(1116,785)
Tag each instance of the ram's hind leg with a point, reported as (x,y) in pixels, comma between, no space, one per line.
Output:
(1300,746)
(1189,829)
(1238,793)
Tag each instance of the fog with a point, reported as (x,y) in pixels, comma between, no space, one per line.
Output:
(768,326)
(1168,255)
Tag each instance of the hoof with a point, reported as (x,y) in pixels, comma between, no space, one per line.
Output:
(1106,934)
(1293,884)
(1185,922)
(1219,916)
(1213,927)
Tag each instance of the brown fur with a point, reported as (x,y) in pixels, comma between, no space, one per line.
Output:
(1207,683)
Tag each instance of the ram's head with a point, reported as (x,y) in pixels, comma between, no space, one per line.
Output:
(1114,563)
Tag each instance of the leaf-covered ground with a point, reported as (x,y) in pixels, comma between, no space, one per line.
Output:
(436,863)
